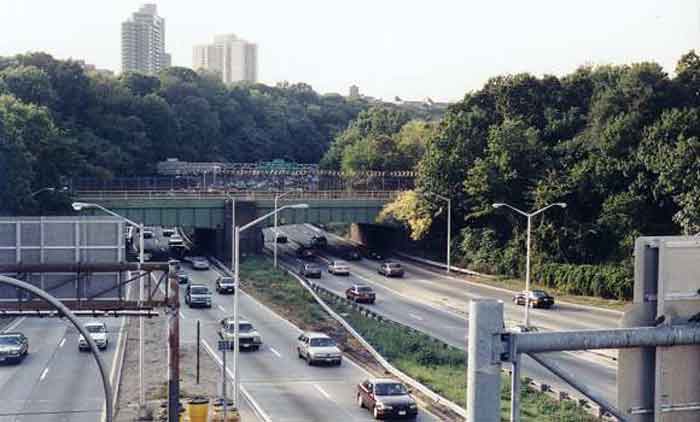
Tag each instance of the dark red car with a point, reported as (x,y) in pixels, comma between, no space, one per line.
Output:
(360,293)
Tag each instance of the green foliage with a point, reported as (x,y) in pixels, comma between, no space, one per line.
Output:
(103,126)
(606,281)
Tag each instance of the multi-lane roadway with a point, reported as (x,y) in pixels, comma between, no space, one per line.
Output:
(55,382)
(436,303)
(274,380)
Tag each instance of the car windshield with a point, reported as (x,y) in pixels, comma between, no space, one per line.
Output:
(9,341)
(390,389)
(394,266)
(244,327)
(322,342)
(199,290)
(147,235)
(339,263)
(226,280)
(364,289)
(312,267)
(95,328)
(539,293)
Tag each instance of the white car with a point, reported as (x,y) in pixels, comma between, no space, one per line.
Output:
(175,241)
(200,263)
(318,348)
(98,333)
(337,267)
(248,336)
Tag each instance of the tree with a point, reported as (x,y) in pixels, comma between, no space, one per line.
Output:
(29,83)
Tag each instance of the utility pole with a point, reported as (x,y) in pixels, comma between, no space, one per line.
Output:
(174,343)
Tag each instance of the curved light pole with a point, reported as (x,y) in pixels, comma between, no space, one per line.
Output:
(527,262)
(48,189)
(79,206)
(236,345)
(449,225)
(62,309)
(274,247)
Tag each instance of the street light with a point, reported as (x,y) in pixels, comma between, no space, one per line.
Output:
(236,344)
(449,225)
(79,206)
(51,189)
(274,247)
(527,262)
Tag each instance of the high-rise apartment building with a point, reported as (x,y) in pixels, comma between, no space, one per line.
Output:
(143,42)
(233,58)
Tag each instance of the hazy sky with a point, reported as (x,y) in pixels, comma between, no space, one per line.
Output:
(413,49)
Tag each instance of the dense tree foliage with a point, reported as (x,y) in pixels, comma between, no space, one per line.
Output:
(619,144)
(57,121)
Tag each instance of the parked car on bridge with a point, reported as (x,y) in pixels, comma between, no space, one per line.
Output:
(391,269)
(14,347)
(198,295)
(386,398)
(248,336)
(360,293)
(338,267)
(319,241)
(98,333)
(310,270)
(225,284)
(318,348)
(538,299)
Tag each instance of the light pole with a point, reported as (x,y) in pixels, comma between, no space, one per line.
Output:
(236,346)
(47,189)
(79,206)
(274,247)
(527,262)
(449,225)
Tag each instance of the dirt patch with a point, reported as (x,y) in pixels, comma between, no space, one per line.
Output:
(156,370)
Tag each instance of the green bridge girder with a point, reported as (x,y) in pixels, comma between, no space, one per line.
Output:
(209,213)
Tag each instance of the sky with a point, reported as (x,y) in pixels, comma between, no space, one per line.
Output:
(439,49)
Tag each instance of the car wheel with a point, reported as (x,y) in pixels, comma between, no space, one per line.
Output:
(309,361)
(375,413)
(371,302)
(360,402)
(299,354)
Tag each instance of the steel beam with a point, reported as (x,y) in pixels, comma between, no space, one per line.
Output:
(484,364)
(83,267)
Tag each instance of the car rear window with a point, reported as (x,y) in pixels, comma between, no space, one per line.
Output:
(322,342)
(199,290)
(95,328)
(539,293)
(394,266)
(364,289)
(9,341)
(390,389)
(227,280)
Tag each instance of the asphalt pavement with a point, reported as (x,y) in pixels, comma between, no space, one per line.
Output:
(56,382)
(437,305)
(273,379)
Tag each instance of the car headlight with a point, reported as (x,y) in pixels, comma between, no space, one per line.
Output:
(413,406)
(14,352)
(383,406)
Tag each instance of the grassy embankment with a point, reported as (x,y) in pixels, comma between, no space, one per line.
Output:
(435,364)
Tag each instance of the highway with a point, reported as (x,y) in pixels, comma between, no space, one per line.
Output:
(274,379)
(56,382)
(436,304)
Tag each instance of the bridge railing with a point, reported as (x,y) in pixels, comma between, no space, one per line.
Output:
(110,195)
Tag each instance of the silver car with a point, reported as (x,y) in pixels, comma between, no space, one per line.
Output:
(318,348)
(200,263)
(248,336)
(337,267)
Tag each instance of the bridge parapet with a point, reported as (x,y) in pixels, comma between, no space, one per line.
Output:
(112,195)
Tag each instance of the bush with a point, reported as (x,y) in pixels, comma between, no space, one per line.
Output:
(606,281)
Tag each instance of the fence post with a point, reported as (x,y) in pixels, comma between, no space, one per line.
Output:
(484,361)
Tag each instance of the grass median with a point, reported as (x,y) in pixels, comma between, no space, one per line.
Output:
(433,363)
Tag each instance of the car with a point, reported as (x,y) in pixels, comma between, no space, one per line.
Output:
(225,284)
(182,277)
(248,336)
(200,263)
(386,398)
(305,253)
(310,270)
(147,233)
(337,267)
(390,269)
(198,295)
(538,299)
(14,347)
(352,255)
(318,348)
(169,232)
(319,241)
(281,238)
(98,333)
(375,255)
(360,293)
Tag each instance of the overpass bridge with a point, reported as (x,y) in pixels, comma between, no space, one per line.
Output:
(208,212)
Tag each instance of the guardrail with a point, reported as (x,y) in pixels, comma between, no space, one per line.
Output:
(110,195)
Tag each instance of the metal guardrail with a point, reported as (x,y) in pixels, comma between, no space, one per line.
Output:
(88,195)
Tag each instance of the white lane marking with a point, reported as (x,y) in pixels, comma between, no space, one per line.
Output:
(14,325)
(275,352)
(182,316)
(256,407)
(62,342)
(415,317)
(43,374)
(221,308)
(114,381)
(322,391)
